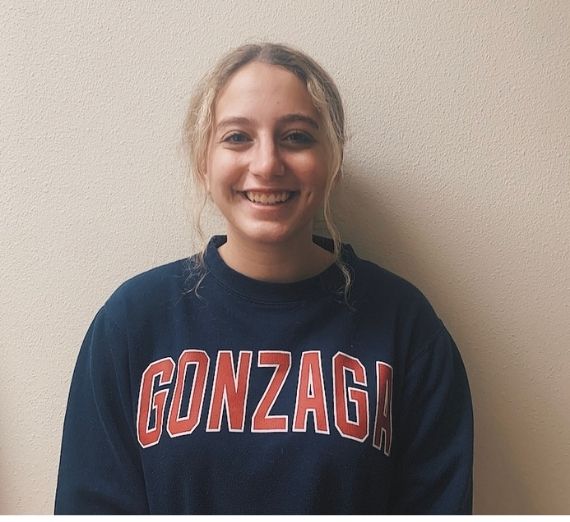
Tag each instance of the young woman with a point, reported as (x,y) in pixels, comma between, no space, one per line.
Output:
(275,371)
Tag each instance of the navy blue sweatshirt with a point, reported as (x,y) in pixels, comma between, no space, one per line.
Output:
(262,397)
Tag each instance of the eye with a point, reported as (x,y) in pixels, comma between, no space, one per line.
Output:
(236,138)
(299,138)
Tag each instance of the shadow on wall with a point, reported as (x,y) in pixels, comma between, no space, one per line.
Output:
(396,239)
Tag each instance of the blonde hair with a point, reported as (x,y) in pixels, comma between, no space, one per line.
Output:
(199,123)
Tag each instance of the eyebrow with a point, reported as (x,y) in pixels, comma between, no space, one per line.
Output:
(288,118)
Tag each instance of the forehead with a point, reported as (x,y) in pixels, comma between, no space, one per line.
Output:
(260,89)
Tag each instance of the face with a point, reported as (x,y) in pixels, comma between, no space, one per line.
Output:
(267,163)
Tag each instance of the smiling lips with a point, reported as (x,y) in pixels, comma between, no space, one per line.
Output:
(272,198)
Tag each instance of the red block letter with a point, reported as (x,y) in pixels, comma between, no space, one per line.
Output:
(262,421)
(311,394)
(229,392)
(177,424)
(383,424)
(350,429)
(163,369)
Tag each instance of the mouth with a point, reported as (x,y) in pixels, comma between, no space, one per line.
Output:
(273,199)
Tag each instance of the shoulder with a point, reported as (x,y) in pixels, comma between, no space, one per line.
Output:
(400,310)
(381,288)
(152,292)
(382,284)
(395,303)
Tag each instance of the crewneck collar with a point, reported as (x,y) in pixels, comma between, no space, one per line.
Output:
(326,282)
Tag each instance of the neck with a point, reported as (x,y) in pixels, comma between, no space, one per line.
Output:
(283,262)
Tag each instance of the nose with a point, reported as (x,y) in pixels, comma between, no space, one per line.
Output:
(266,159)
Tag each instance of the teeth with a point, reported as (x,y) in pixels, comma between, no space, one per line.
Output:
(268,199)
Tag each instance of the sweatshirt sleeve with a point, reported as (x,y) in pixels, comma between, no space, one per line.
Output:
(433,468)
(100,470)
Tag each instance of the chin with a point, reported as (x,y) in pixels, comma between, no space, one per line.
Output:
(273,235)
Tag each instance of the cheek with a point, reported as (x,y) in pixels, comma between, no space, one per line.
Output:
(223,170)
(312,162)
(312,170)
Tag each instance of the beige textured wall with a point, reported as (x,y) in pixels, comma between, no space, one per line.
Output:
(458,179)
